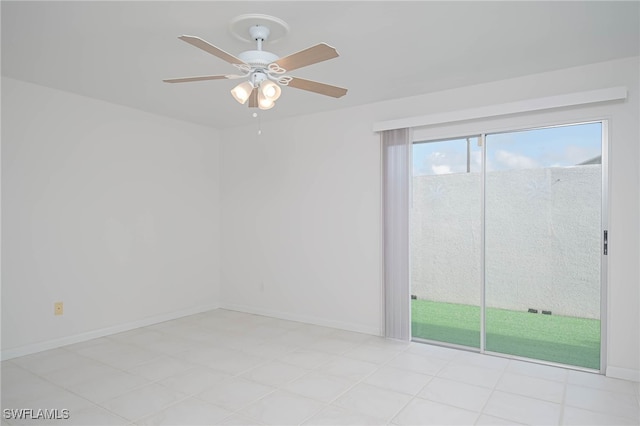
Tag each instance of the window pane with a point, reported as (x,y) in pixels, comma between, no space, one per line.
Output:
(445,241)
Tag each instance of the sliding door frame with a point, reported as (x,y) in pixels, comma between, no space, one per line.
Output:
(604,226)
(483,247)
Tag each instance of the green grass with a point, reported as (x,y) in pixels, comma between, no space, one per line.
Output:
(565,340)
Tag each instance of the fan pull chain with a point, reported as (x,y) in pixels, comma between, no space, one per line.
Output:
(255,114)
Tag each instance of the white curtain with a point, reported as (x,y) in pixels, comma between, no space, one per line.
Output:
(396,153)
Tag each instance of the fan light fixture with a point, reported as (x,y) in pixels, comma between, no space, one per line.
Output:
(268,92)
(242,92)
(265,103)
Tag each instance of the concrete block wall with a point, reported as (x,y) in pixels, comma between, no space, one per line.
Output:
(543,239)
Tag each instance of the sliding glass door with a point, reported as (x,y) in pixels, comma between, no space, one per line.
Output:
(506,250)
(543,203)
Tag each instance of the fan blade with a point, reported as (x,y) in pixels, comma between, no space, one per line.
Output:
(210,48)
(314,86)
(202,78)
(312,55)
(253,99)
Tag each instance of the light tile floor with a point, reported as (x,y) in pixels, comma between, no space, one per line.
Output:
(230,368)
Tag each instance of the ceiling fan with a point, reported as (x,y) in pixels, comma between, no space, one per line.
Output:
(264,71)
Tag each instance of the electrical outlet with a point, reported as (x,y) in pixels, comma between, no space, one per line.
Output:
(58,308)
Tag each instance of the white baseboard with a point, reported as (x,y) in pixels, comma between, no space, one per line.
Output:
(623,373)
(93,334)
(358,328)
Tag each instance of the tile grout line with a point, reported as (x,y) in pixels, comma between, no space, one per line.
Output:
(493,390)
(564,398)
(413,397)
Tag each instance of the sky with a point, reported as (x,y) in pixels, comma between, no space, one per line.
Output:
(550,147)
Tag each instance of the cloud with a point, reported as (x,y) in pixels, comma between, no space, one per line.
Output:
(510,160)
(442,163)
(445,157)
(441,169)
(575,154)
(436,163)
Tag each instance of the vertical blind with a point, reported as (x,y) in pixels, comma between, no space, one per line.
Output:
(396,171)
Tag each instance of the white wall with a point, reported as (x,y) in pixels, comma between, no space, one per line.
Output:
(300,220)
(111,210)
(301,203)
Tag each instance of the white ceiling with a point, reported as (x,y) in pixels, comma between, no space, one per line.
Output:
(120,51)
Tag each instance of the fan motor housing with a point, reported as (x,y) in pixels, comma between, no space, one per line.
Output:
(258,58)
